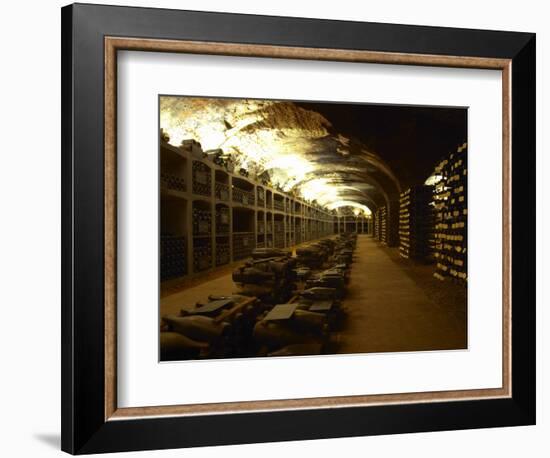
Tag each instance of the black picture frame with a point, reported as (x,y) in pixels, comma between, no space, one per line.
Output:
(84,428)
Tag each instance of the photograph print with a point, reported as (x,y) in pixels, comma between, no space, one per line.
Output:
(299,228)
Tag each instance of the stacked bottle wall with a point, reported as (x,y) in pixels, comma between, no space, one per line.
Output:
(416,223)
(383,225)
(450,215)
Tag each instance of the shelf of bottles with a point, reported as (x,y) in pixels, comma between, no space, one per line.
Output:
(450,217)
(268,230)
(212,215)
(202,236)
(415,223)
(202,179)
(223,251)
(289,231)
(376,227)
(242,195)
(383,225)
(172,182)
(222,220)
(173,173)
(297,231)
(221,191)
(260,229)
(173,256)
(243,245)
(260,196)
(380,224)
(279,232)
(173,241)
(278,203)
(202,254)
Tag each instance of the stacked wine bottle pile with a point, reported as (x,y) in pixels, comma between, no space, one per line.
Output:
(222,251)
(243,197)
(243,245)
(171,181)
(404,224)
(202,253)
(222,220)
(202,222)
(376,229)
(193,147)
(415,223)
(450,217)
(202,181)
(216,156)
(173,259)
(383,225)
(221,191)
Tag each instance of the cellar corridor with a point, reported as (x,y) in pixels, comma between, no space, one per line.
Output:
(387,311)
(301,228)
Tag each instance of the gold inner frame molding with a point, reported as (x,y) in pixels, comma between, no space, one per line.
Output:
(114,44)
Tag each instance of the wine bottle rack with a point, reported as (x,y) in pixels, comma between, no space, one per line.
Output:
(298,232)
(202,222)
(173,256)
(243,197)
(222,220)
(383,225)
(202,254)
(451,217)
(173,182)
(192,222)
(279,234)
(221,191)
(243,245)
(202,179)
(223,254)
(261,227)
(278,204)
(416,224)
(260,196)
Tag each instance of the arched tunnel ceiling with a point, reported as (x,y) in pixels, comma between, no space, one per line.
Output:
(335,154)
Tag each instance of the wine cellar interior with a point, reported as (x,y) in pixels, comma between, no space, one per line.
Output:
(252,268)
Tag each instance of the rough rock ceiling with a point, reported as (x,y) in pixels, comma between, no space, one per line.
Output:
(410,139)
(317,150)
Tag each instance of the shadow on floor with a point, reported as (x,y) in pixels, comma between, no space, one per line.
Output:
(51,439)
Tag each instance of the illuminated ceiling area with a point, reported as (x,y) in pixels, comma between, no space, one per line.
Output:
(304,148)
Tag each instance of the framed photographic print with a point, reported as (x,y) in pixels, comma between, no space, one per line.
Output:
(283,228)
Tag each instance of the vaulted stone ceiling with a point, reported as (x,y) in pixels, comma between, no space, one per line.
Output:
(339,155)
